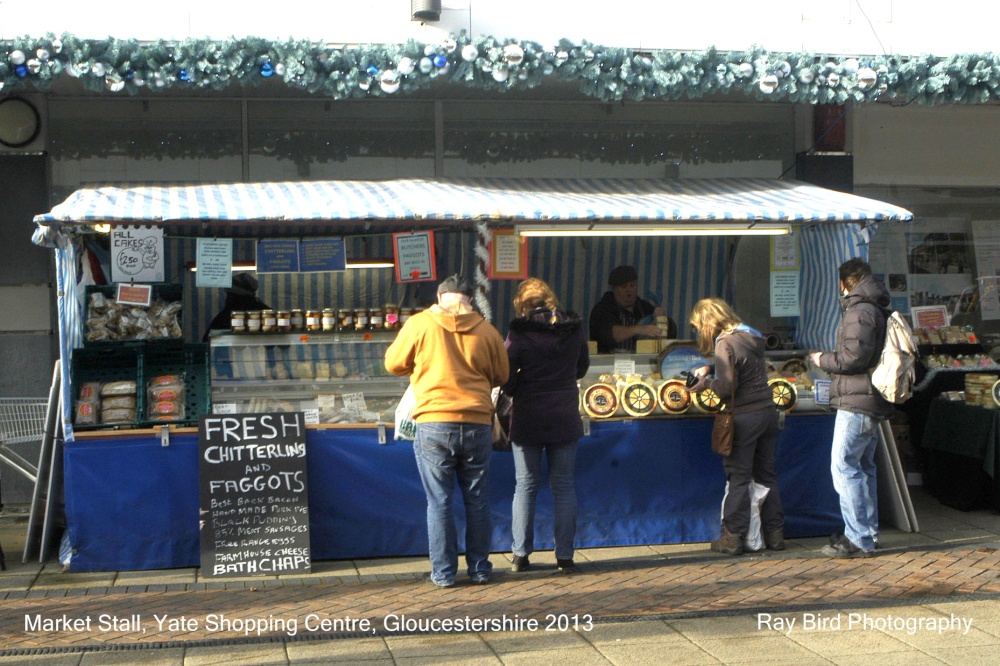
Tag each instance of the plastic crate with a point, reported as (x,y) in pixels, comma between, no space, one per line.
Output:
(106,365)
(190,360)
(161,291)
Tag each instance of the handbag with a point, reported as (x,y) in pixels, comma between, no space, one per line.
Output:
(722,434)
(502,407)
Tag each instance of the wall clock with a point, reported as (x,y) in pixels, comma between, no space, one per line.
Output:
(19,122)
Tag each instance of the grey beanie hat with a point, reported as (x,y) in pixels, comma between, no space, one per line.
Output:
(455,284)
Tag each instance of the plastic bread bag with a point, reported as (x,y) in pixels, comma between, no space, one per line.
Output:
(406,427)
(166,388)
(123,387)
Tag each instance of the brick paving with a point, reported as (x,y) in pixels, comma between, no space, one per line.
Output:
(195,614)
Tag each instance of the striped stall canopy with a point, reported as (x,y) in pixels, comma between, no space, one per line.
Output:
(345,206)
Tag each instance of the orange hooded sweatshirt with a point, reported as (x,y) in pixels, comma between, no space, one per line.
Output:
(454,361)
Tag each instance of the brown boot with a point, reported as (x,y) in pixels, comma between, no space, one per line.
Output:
(728,543)
(775,539)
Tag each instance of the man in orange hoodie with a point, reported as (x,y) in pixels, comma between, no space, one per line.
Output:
(454,358)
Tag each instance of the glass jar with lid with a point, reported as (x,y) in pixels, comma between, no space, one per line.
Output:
(360,319)
(376,318)
(391,317)
(268,321)
(329,320)
(313,322)
(253,321)
(404,315)
(283,322)
(298,320)
(345,319)
(238,322)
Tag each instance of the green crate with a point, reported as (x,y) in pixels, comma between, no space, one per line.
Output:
(106,365)
(163,291)
(191,360)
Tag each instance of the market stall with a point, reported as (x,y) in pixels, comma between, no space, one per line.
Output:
(642,479)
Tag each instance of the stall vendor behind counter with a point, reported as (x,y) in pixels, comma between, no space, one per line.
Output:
(621,317)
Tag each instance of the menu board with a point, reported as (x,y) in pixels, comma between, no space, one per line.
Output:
(254,511)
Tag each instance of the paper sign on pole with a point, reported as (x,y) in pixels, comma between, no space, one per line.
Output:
(215,263)
(414,256)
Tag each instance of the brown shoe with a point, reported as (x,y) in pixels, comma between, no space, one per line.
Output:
(775,539)
(728,543)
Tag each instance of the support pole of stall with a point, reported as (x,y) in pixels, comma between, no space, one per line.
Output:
(482,284)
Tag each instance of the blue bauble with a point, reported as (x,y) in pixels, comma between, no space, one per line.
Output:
(183,75)
(372,71)
(267,69)
(21,71)
(440,60)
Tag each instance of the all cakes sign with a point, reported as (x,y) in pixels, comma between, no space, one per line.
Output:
(137,254)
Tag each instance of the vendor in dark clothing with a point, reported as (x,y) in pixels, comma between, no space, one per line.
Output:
(242,296)
(621,317)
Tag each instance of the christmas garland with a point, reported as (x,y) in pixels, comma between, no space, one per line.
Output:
(485,63)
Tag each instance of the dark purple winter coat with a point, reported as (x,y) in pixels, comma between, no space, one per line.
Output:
(546,360)
(860,337)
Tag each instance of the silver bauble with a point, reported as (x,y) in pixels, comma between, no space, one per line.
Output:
(833,79)
(390,81)
(806,76)
(42,54)
(469,53)
(57,45)
(279,70)
(768,84)
(114,85)
(363,84)
(34,65)
(867,78)
(522,75)
(500,74)
(513,53)
(548,69)
(449,45)
(426,65)
(98,69)
(851,65)
(16,58)
(745,70)
(405,66)
(428,49)
(782,69)
(562,56)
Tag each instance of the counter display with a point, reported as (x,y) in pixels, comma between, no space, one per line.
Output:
(650,385)
(336,377)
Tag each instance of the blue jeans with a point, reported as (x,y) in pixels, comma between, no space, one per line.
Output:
(528,468)
(852,465)
(446,452)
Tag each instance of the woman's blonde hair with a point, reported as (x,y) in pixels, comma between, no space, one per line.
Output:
(532,294)
(709,318)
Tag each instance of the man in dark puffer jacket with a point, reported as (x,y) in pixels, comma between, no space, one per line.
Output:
(860,337)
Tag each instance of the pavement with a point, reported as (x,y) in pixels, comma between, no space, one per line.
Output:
(926,598)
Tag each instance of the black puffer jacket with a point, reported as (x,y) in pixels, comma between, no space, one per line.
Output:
(860,338)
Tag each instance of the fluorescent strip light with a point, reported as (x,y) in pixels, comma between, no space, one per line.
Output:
(722,229)
(351,263)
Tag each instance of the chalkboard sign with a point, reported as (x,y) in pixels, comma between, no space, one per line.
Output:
(254,511)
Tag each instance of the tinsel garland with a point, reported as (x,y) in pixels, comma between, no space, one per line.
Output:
(489,64)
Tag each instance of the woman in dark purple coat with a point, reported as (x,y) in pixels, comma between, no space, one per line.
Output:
(548,354)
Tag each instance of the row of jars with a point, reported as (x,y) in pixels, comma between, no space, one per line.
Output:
(386,318)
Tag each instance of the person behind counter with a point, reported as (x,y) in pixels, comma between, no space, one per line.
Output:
(741,381)
(621,317)
(548,354)
(242,296)
(454,358)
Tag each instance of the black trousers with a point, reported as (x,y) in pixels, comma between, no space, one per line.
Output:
(754,437)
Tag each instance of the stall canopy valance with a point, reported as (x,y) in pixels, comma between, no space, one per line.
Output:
(346,207)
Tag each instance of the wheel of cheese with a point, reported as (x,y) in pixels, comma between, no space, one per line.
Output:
(996,392)
(600,400)
(708,401)
(638,398)
(794,366)
(784,394)
(673,396)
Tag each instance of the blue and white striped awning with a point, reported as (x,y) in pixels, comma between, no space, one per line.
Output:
(346,206)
